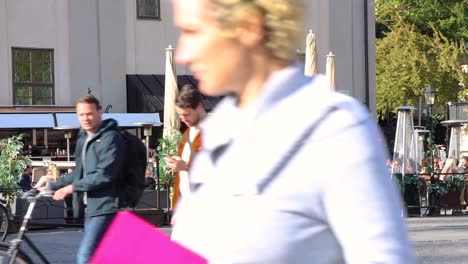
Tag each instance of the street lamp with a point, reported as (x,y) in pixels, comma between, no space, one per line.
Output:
(429,96)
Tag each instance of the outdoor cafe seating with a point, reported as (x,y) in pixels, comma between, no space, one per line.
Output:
(448,197)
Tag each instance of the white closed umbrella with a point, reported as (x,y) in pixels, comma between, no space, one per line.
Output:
(330,70)
(310,67)
(171,119)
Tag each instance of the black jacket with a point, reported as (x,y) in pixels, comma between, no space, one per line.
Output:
(102,176)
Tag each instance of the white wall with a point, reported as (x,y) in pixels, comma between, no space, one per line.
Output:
(61,55)
(113,59)
(84,53)
(148,39)
(97,52)
(34,24)
(5,69)
(340,28)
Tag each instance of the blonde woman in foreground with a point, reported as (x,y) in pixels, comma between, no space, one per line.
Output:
(254,183)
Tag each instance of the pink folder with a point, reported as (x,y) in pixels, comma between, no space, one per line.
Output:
(131,239)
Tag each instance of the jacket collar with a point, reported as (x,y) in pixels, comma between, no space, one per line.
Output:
(107,124)
(278,86)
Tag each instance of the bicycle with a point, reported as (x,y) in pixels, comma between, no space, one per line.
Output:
(4,220)
(11,252)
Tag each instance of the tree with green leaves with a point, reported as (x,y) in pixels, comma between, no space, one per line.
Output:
(408,61)
(450,17)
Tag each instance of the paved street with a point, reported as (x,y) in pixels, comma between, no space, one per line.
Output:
(441,239)
(59,245)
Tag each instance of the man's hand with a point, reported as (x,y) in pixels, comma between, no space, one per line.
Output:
(176,163)
(62,192)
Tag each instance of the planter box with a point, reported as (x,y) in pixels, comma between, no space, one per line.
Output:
(154,216)
(149,200)
(46,211)
(412,201)
(450,200)
(148,209)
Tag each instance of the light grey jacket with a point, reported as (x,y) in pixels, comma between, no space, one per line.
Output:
(332,202)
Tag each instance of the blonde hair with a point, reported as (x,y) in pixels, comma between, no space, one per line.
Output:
(282,21)
(52,167)
(449,167)
(450,163)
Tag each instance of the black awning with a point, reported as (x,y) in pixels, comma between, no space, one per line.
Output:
(145,93)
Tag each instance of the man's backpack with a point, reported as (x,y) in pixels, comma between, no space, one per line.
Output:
(132,182)
(133,179)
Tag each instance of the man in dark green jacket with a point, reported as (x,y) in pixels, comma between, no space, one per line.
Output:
(94,181)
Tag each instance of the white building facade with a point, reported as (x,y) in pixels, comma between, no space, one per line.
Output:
(53,51)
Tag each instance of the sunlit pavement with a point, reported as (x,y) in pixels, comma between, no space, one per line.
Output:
(59,245)
(442,239)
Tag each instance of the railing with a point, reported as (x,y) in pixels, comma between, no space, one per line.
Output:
(447,194)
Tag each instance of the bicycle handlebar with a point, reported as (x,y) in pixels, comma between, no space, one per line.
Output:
(33,194)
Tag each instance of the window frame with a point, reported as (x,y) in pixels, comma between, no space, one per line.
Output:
(33,83)
(144,16)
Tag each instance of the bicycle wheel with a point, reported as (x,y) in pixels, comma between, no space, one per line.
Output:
(21,258)
(4,222)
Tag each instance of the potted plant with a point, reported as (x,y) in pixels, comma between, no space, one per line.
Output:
(12,165)
(410,186)
(451,189)
(437,188)
(168,145)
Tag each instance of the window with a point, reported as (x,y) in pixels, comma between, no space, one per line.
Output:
(148,9)
(33,76)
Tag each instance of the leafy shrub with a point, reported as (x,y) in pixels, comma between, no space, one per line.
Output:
(168,145)
(12,165)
